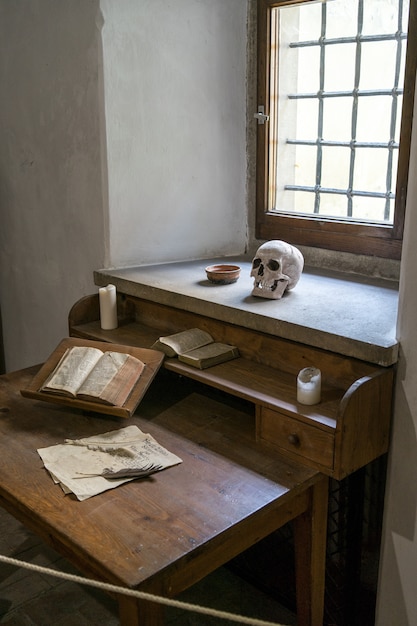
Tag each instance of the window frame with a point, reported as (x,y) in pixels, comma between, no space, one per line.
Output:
(320,232)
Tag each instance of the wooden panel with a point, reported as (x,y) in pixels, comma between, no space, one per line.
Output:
(364,423)
(290,435)
(153,319)
(355,408)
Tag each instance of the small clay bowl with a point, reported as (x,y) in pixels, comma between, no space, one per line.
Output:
(223,274)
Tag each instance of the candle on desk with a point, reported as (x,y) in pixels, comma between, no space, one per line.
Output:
(108,307)
(309,386)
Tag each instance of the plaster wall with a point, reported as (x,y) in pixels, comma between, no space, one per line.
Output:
(52,232)
(396,602)
(122,142)
(174,91)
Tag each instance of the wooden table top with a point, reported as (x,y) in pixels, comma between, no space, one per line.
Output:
(183,521)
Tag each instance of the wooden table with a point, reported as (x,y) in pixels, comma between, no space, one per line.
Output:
(163,534)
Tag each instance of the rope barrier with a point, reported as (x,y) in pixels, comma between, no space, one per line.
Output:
(187,606)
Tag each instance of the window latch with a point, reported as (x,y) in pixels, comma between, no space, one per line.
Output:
(260,115)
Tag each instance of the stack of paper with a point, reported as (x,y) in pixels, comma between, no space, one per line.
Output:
(76,465)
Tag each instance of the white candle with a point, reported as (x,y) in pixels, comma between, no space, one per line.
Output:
(108,307)
(309,386)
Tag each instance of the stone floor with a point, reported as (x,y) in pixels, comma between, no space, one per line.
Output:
(34,599)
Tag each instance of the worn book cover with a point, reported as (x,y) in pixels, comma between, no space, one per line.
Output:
(184,341)
(209,355)
(196,347)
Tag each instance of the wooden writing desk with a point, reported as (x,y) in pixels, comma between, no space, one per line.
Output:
(346,430)
(165,533)
(339,437)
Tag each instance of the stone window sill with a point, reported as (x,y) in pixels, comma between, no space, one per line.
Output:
(345,314)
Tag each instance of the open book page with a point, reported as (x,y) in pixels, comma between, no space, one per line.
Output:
(88,373)
(74,366)
(112,379)
(183,341)
(77,464)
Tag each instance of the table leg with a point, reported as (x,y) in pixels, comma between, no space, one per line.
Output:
(134,612)
(310,531)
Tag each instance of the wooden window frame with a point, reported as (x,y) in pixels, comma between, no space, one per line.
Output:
(359,238)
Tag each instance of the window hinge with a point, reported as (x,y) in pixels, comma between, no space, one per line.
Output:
(260,115)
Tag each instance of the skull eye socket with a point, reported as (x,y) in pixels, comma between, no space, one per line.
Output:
(273,265)
(256,263)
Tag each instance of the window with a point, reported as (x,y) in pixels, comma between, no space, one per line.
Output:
(335,102)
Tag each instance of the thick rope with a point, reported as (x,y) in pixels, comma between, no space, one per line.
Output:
(138,594)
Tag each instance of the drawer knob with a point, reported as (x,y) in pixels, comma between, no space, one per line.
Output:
(294,439)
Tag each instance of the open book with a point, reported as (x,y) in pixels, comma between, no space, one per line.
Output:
(88,373)
(196,347)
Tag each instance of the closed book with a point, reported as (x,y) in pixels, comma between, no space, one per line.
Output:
(209,355)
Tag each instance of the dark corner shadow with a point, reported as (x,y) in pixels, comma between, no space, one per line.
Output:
(397,603)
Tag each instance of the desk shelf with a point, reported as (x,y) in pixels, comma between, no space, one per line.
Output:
(347,430)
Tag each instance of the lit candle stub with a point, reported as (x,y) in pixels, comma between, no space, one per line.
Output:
(309,386)
(108,307)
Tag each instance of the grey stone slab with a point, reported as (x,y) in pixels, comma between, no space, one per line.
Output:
(347,314)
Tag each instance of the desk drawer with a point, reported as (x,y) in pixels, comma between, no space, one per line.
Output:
(295,437)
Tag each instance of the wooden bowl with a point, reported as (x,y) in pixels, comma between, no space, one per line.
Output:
(223,274)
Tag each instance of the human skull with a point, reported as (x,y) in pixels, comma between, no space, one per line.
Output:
(277,267)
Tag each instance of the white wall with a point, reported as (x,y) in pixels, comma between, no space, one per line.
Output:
(51,198)
(397,601)
(162,163)
(174,81)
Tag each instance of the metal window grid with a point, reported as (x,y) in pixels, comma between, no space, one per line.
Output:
(356,94)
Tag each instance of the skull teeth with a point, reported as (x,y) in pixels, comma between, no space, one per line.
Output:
(269,286)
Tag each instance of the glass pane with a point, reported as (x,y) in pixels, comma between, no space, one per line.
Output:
(305,165)
(337,119)
(304,202)
(370,170)
(333,205)
(378,64)
(308,70)
(307,115)
(399,116)
(371,209)
(310,22)
(335,168)
(381,16)
(340,67)
(374,119)
(342,18)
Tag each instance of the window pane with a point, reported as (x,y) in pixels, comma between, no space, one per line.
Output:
(335,106)
(335,168)
(309,20)
(319,134)
(308,64)
(374,73)
(332,205)
(307,115)
(339,70)
(305,166)
(304,203)
(370,209)
(342,19)
(337,119)
(374,119)
(381,16)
